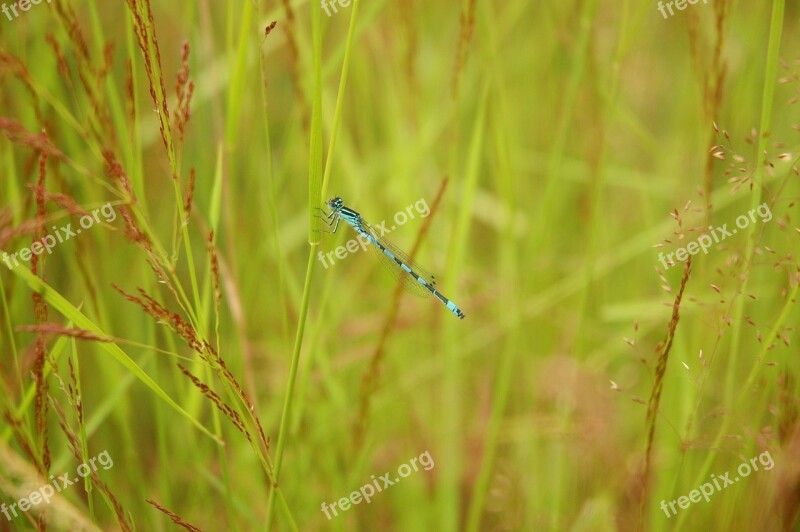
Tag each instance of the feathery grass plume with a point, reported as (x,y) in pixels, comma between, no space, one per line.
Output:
(76,449)
(145,31)
(40,312)
(130,97)
(71,391)
(465,37)
(792,77)
(74,392)
(67,17)
(713,79)
(229,412)
(60,330)
(211,355)
(6,218)
(760,176)
(206,351)
(108,63)
(91,77)
(187,207)
(268,29)
(557,240)
(20,433)
(62,200)
(214,265)
(369,379)
(10,64)
(655,395)
(115,171)
(16,133)
(133,231)
(184,88)
(61,60)
(27,227)
(178,520)
(171,319)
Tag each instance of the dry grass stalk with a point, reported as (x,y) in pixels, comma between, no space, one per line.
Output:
(178,520)
(655,395)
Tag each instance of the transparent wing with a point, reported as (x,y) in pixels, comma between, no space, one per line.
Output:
(408,282)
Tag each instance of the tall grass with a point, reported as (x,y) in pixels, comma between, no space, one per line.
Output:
(561,147)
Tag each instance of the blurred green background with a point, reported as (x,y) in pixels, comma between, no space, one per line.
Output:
(238,383)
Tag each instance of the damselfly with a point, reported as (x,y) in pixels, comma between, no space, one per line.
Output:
(411,275)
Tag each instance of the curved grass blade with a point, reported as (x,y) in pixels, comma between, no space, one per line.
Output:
(80,320)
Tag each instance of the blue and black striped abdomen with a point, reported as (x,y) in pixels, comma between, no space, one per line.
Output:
(410,275)
(410,271)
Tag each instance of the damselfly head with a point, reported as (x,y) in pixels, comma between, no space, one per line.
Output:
(335,203)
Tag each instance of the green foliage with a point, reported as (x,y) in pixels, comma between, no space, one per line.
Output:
(562,147)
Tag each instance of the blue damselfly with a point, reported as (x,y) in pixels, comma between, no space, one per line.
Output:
(410,274)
